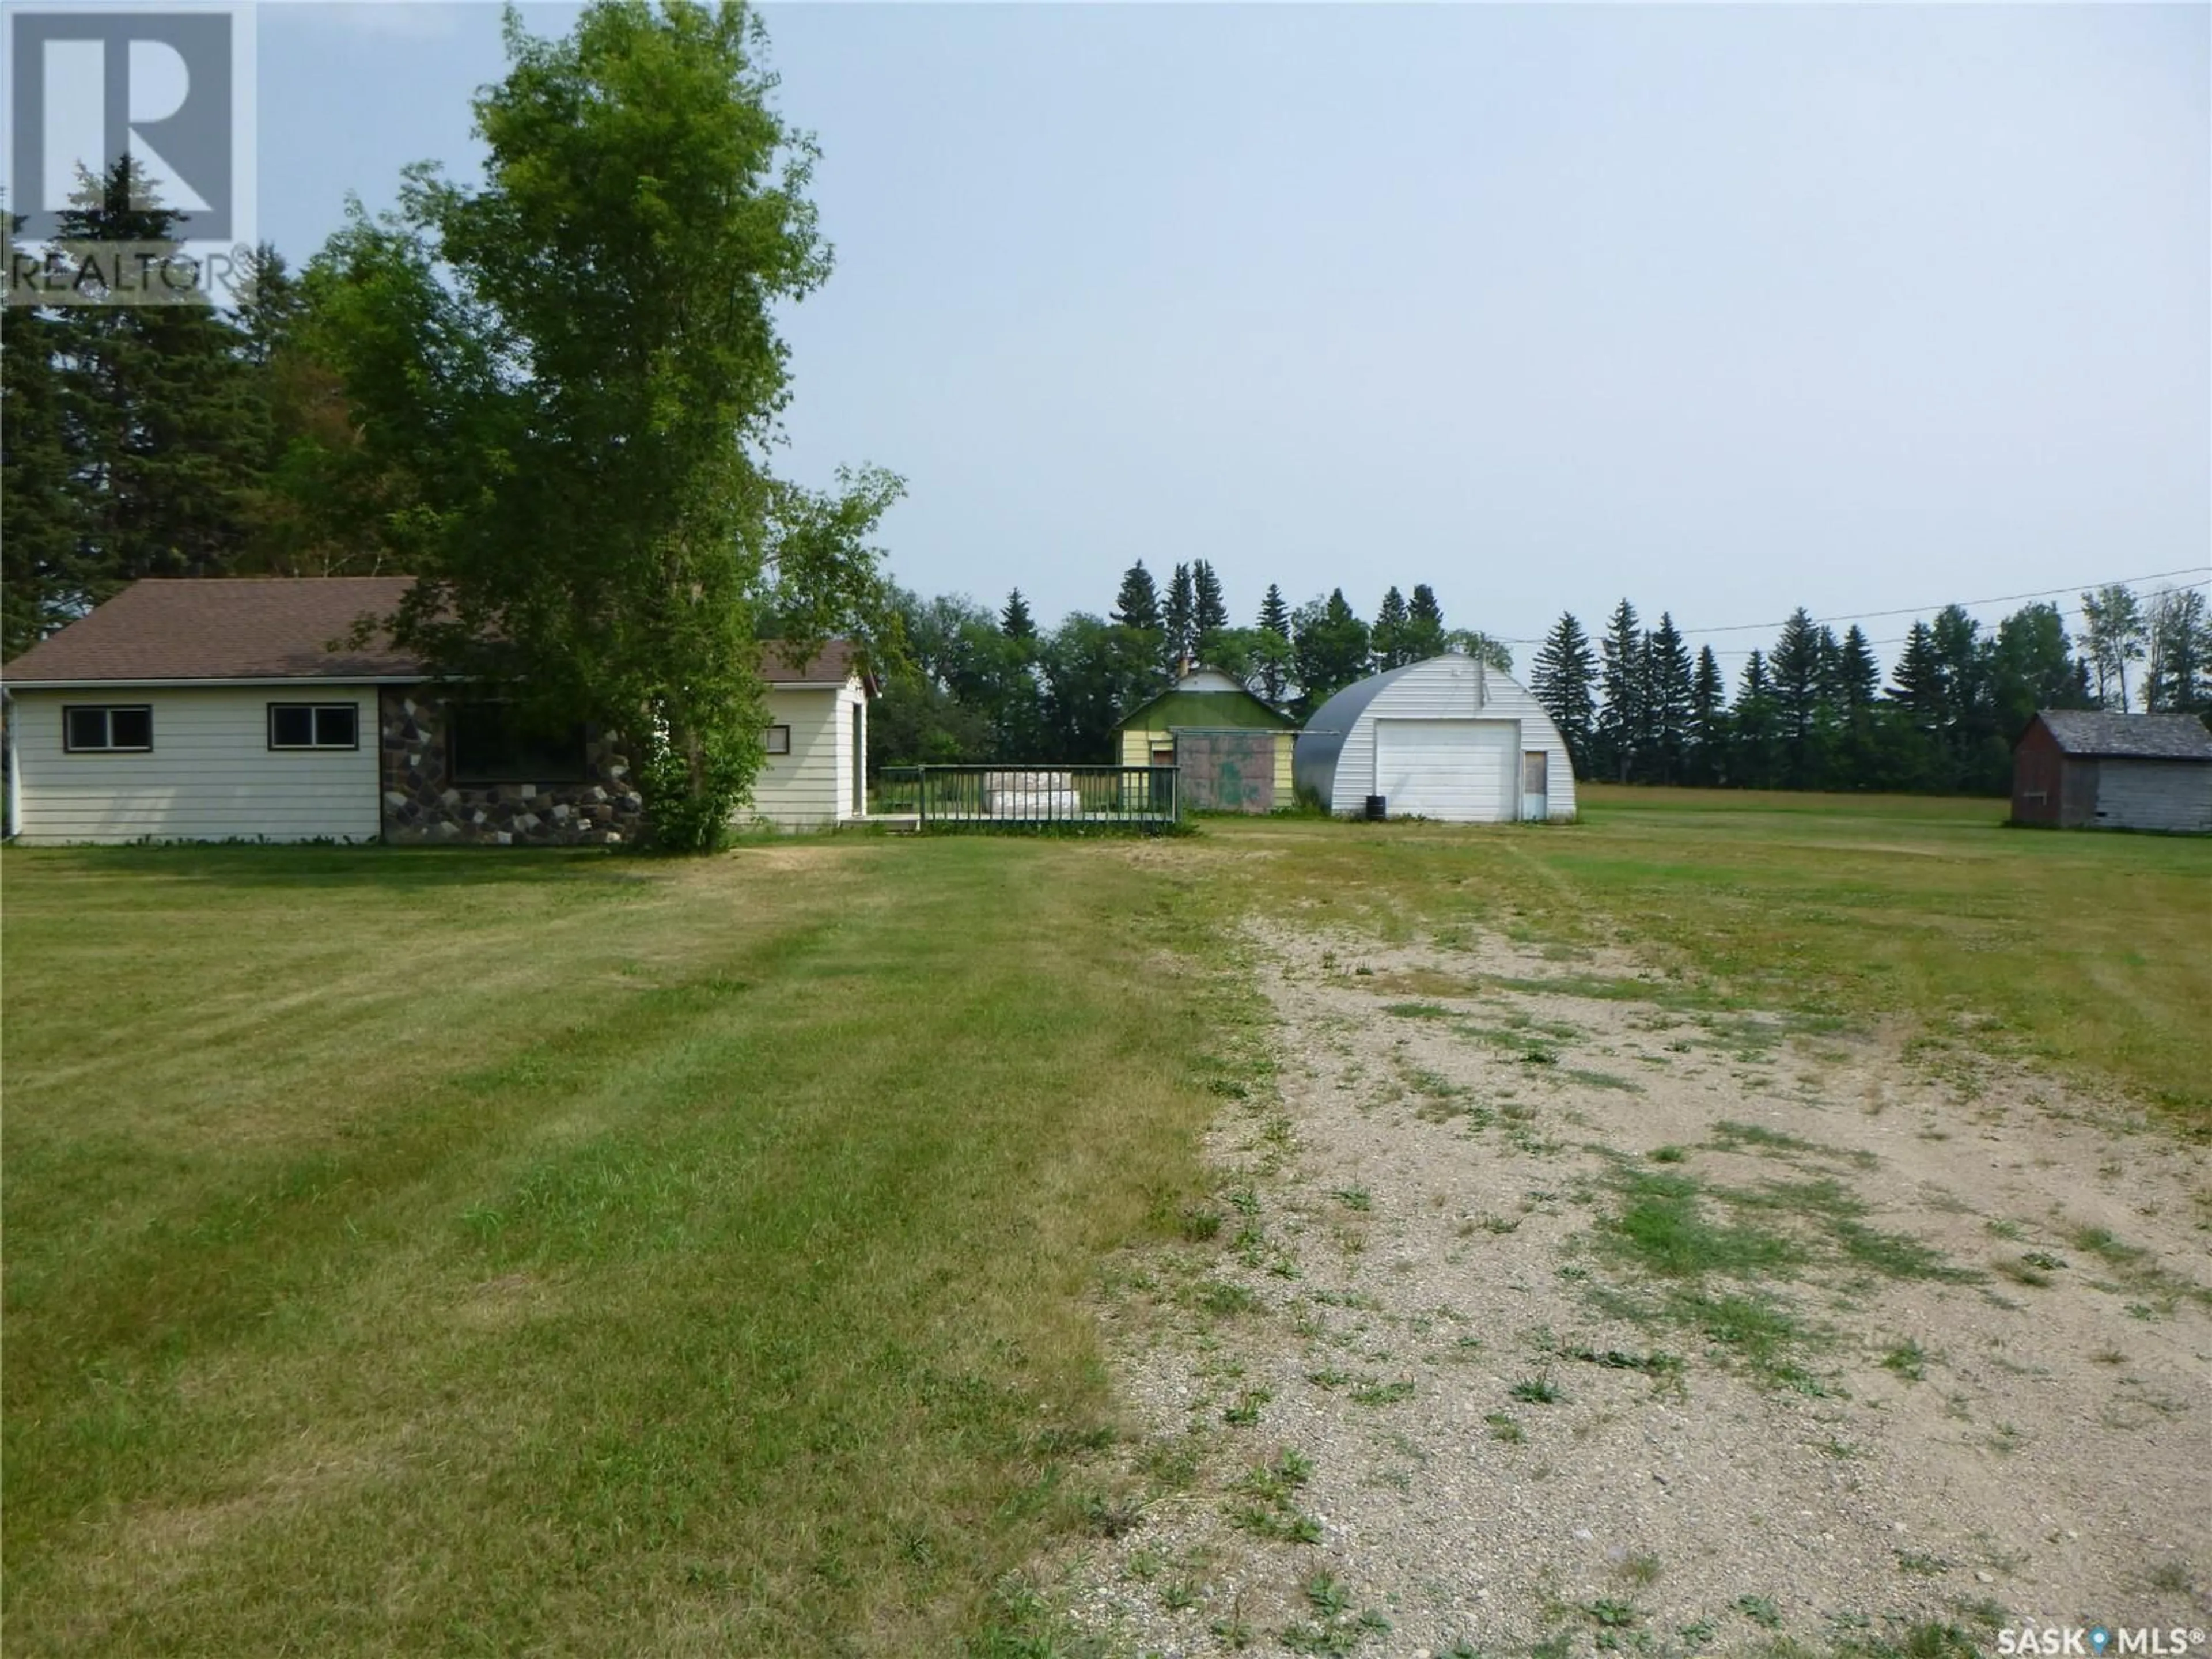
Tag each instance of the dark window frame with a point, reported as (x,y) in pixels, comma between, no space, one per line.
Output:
(110,710)
(769,742)
(315,744)
(468,773)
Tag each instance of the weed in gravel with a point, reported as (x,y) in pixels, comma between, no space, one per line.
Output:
(1180,1596)
(1697,1634)
(2021,1270)
(1663,1229)
(1233,1632)
(2000,1227)
(1353,1197)
(2171,1579)
(1908,1359)
(1558,1645)
(1106,1515)
(1922,1563)
(1502,1427)
(1759,1609)
(1222,1298)
(1537,1391)
(1591,1079)
(1246,1411)
(1201,1226)
(1609,1615)
(1668,1155)
(1383,1393)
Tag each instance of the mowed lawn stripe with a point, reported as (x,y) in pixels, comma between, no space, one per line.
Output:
(723,1313)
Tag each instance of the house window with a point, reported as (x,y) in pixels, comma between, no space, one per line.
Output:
(313,726)
(779,741)
(108,729)
(493,743)
(1163,755)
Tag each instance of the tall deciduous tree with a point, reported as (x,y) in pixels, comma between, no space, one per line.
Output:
(2179,637)
(591,330)
(1563,680)
(1331,647)
(2112,617)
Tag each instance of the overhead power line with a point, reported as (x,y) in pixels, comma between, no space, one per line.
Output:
(2197,572)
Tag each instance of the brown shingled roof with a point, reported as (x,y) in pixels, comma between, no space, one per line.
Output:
(223,628)
(272,628)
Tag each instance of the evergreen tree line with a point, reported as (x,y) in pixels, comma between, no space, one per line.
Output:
(968,684)
(1812,712)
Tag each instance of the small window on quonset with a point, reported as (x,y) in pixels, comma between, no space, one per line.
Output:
(313,726)
(496,743)
(102,730)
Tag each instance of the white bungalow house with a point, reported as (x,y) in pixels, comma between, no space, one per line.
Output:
(1448,738)
(223,709)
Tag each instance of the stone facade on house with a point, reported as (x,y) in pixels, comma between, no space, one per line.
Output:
(423,805)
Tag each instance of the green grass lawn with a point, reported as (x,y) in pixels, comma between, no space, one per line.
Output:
(464,1254)
(470,1252)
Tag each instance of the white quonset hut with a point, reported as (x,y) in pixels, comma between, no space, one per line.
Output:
(1447,738)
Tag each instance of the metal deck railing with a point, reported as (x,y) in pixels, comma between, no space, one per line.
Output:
(1142,798)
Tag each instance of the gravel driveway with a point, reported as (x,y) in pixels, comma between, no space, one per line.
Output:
(1546,1308)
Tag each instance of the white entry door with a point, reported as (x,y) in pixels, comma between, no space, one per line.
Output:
(1461,771)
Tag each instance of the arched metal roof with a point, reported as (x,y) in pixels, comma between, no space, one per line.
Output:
(1313,757)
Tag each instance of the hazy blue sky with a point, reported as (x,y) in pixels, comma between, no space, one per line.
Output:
(1725,309)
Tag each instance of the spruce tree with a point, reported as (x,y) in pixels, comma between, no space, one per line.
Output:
(1275,665)
(165,423)
(1754,724)
(1331,648)
(42,582)
(1562,680)
(1858,676)
(1015,621)
(1425,634)
(1178,620)
(1137,604)
(1797,668)
(1666,695)
(1620,677)
(1388,636)
(1210,610)
(1708,732)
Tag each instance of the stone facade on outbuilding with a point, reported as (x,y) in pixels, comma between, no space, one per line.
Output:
(423,805)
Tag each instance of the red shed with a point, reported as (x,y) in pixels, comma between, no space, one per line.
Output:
(2079,770)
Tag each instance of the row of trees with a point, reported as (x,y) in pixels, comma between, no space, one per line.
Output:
(971,685)
(1812,712)
(551,398)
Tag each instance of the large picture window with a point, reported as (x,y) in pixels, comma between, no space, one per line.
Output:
(313,726)
(492,743)
(107,729)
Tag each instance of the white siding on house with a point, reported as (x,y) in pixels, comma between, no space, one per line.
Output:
(209,777)
(1454,689)
(811,787)
(2151,795)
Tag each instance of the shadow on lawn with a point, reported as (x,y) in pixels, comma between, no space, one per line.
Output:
(241,864)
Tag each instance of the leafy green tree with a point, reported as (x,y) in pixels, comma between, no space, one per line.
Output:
(1094,672)
(1015,621)
(2113,619)
(1564,681)
(579,358)
(1330,645)
(1387,639)
(2179,635)
(1620,679)
(1260,657)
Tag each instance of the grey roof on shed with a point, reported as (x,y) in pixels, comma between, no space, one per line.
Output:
(1313,757)
(2134,737)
